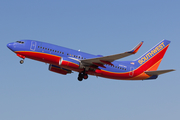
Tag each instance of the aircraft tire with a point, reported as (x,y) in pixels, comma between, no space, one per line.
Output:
(21,61)
(80,78)
(85,76)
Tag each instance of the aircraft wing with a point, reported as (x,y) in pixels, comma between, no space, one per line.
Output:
(100,61)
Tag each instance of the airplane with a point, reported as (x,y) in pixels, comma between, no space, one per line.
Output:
(64,60)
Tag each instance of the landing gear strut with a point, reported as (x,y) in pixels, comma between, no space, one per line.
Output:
(82,75)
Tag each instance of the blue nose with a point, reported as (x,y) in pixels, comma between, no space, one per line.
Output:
(10,46)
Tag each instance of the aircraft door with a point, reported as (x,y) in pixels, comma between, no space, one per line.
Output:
(33,45)
(131,71)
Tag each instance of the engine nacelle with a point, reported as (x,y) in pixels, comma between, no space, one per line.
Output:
(59,70)
(70,63)
(66,65)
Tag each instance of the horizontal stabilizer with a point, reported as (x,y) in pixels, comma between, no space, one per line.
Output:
(158,72)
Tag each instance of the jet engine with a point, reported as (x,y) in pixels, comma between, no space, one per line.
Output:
(59,70)
(70,63)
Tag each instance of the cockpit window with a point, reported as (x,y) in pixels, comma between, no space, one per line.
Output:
(20,42)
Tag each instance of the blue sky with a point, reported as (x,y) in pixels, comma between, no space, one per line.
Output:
(100,27)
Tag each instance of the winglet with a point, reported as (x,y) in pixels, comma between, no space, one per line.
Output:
(135,49)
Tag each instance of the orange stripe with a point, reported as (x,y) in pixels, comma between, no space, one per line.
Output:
(144,75)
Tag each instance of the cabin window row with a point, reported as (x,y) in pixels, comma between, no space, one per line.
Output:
(75,56)
(122,68)
(51,50)
(61,52)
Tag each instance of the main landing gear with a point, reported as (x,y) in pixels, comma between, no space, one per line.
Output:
(82,75)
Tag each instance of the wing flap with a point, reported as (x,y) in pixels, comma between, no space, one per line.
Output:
(158,72)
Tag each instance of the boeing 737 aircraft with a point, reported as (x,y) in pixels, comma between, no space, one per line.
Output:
(63,60)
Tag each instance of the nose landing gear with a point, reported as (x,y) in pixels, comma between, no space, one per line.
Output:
(21,56)
(22,61)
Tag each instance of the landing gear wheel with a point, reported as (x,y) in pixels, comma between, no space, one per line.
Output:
(85,76)
(82,75)
(80,78)
(21,61)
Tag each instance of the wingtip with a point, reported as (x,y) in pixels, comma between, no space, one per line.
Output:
(135,50)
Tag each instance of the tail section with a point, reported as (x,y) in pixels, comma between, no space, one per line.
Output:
(151,59)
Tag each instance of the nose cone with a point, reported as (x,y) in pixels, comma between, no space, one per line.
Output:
(10,46)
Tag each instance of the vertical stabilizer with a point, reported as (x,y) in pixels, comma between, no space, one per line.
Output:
(153,57)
